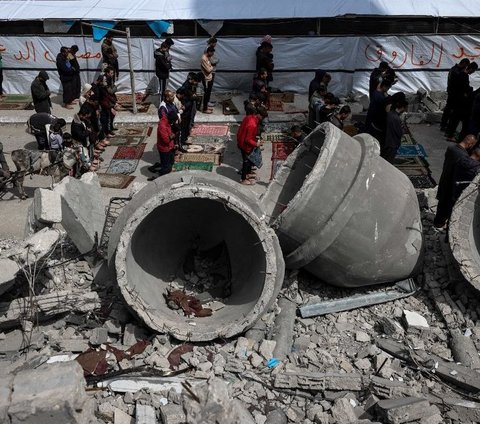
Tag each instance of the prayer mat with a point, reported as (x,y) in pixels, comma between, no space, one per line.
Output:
(205,139)
(16,98)
(122,166)
(422,181)
(274,136)
(119,181)
(274,105)
(411,150)
(410,161)
(127,141)
(414,171)
(285,97)
(126,98)
(281,149)
(131,131)
(407,139)
(129,152)
(229,108)
(193,166)
(198,157)
(16,106)
(211,130)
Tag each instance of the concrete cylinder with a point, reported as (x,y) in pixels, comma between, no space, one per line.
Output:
(343,213)
(154,233)
(464,233)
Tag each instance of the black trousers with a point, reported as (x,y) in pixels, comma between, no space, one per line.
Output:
(246,165)
(207,87)
(68,91)
(1,81)
(162,86)
(447,112)
(167,160)
(444,211)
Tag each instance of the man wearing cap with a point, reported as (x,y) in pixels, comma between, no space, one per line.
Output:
(41,93)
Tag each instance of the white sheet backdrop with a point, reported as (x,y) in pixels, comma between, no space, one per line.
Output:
(421,61)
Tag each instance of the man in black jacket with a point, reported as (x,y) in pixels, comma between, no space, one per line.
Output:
(265,59)
(455,70)
(76,85)
(66,73)
(41,93)
(163,66)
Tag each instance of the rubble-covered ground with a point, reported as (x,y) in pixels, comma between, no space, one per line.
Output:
(394,362)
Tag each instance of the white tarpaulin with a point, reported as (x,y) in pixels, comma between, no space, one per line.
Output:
(229,9)
(420,61)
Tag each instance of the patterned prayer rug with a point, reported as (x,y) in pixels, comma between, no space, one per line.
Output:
(193,166)
(281,149)
(212,130)
(198,157)
(16,106)
(119,181)
(122,166)
(129,152)
(422,181)
(135,130)
(275,105)
(127,141)
(411,150)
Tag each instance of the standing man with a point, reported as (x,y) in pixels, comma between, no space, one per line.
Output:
(461,101)
(207,72)
(394,131)
(163,66)
(77,85)
(376,120)
(165,146)
(247,141)
(41,93)
(66,73)
(1,75)
(455,70)
(110,55)
(265,59)
(445,190)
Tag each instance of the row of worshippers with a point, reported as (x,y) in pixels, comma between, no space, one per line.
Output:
(91,127)
(324,106)
(463,103)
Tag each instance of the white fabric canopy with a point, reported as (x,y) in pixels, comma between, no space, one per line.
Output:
(229,9)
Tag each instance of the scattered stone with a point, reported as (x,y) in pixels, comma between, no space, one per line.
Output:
(53,393)
(266,348)
(99,336)
(120,417)
(244,347)
(343,412)
(402,410)
(144,414)
(363,364)
(9,269)
(415,320)
(172,414)
(361,336)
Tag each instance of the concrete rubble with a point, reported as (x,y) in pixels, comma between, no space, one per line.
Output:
(409,359)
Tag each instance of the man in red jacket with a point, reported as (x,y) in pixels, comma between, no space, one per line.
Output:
(165,146)
(247,141)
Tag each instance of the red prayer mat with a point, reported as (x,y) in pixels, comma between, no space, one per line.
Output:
(205,129)
(130,152)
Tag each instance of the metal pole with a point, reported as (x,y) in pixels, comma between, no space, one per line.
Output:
(132,74)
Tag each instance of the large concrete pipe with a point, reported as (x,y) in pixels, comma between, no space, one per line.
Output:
(343,213)
(464,233)
(152,238)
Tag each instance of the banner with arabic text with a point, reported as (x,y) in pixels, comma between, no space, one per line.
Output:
(420,61)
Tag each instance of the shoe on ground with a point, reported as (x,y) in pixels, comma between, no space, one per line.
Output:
(154,167)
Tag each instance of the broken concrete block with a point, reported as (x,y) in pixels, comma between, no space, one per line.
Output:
(391,327)
(53,393)
(120,417)
(277,416)
(8,272)
(47,206)
(6,387)
(172,414)
(283,329)
(319,381)
(343,412)
(132,334)
(415,320)
(402,410)
(99,336)
(244,347)
(144,414)
(35,247)
(266,348)
(464,350)
(213,403)
(83,210)
(361,336)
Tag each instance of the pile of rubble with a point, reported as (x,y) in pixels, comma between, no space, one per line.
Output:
(71,351)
